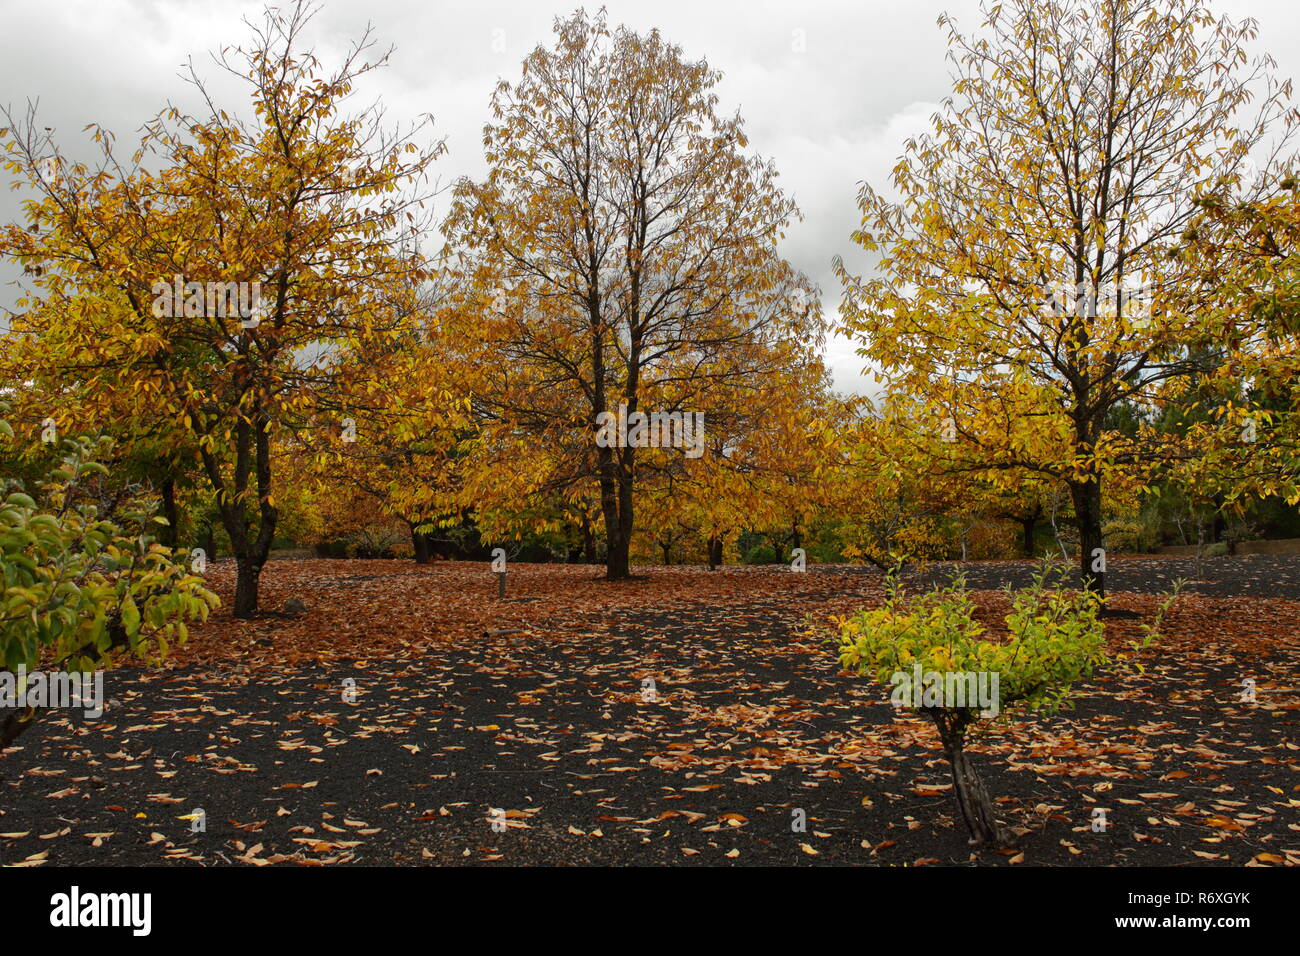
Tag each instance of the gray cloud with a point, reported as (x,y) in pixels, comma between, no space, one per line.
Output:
(831,113)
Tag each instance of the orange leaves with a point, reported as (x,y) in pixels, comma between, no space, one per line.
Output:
(583,237)
(1223,823)
(1274,859)
(785,758)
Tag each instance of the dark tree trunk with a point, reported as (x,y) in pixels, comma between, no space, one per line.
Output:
(616,505)
(715,552)
(973,801)
(1027,528)
(1086,496)
(169,534)
(588,541)
(615,466)
(14,721)
(420,544)
(247,579)
(618,565)
(667,548)
(252,460)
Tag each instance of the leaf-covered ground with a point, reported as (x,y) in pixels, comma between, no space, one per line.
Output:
(751,727)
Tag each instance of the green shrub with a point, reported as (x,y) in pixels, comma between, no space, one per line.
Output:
(938,660)
(761,554)
(80,589)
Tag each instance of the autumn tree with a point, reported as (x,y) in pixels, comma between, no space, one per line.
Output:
(1026,285)
(1240,421)
(892,509)
(402,449)
(212,280)
(1026,505)
(618,259)
(765,465)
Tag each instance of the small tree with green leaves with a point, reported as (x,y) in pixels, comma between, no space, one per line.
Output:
(939,660)
(81,588)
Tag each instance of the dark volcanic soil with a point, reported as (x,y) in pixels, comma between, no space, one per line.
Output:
(748,729)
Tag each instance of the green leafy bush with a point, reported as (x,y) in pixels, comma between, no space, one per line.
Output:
(761,554)
(939,660)
(79,588)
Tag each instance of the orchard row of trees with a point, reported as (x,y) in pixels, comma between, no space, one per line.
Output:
(449,366)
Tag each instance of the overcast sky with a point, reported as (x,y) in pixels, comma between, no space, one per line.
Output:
(828,89)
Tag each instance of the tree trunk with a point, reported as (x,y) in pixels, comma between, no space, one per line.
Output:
(252,460)
(1027,526)
(667,548)
(247,578)
(419,544)
(14,721)
(618,562)
(972,799)
(618,559)
(588,541)
(1086,496)
(616,504)
(715,552)
(169,534)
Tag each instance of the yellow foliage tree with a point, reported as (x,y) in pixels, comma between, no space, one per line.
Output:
(1026,286)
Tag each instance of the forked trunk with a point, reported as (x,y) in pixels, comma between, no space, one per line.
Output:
(616,503)
(972,799)
(252,458)
(973,802)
